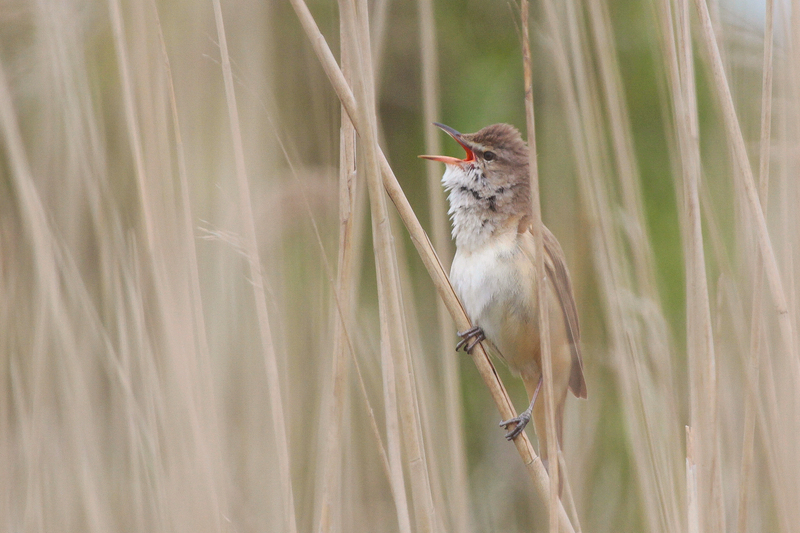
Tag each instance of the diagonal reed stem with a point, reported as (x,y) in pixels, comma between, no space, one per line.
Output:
(421,242)
(756,213)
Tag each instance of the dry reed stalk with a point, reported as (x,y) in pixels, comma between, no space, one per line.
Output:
(118,363)
(430,112)
(392,471)
(692,505)
(412,422)
(171,325)
(749,411)
(567,497)
(256,275)
(331,504)
(72,381)
(78,400)
(755,213)
(580,59)
(393,428)
(425,383)
(688,163)
(790,218)
(646,417)
(378,26)
(458,484)
(31,209)
(541,276)
(172,310)
(345,294)
(426,387)
(752,369)
(393,326)
(786,481)
(649,421)
(580,55)
(83,139)
(699,334)
(132,123)
(643,259)
(421,242)
(205,373)
(157,499)
(347,10)
(343,302)
(768,419)
(36,229)
(622,143)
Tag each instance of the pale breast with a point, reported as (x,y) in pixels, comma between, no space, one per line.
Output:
(495,284)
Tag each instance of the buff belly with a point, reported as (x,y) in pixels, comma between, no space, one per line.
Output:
(495,284)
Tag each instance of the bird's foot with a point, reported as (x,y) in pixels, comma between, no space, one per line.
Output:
(470,338)
(521,421)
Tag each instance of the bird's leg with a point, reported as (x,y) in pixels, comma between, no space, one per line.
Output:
(470,338)
(522,420)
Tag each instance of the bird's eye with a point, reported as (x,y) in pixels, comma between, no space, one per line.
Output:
(489,156)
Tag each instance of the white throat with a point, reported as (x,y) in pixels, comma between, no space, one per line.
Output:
(473,209)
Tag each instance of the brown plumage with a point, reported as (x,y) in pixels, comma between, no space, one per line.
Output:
(493,269)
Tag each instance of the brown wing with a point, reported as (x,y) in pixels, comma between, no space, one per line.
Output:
(556,268)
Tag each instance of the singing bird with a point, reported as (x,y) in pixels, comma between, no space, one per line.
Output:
(493,271)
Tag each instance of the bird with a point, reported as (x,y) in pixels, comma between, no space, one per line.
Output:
(493,271)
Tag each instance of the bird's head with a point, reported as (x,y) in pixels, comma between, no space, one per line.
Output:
(490,187)
(495,155)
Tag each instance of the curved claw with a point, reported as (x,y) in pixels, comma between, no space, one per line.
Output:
(470,338)
(521,421)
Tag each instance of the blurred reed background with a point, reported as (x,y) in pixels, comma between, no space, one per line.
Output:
(178,207)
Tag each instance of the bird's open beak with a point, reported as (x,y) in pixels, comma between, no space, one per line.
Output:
(447,159)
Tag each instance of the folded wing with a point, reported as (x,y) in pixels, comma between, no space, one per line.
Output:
(558,275)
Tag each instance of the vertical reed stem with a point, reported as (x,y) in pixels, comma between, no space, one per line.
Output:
(752,368)
(458,493)
(756,214)
(392,316)
(539,286)
(251,245)
(330,507)
(699,336)
(421,242)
